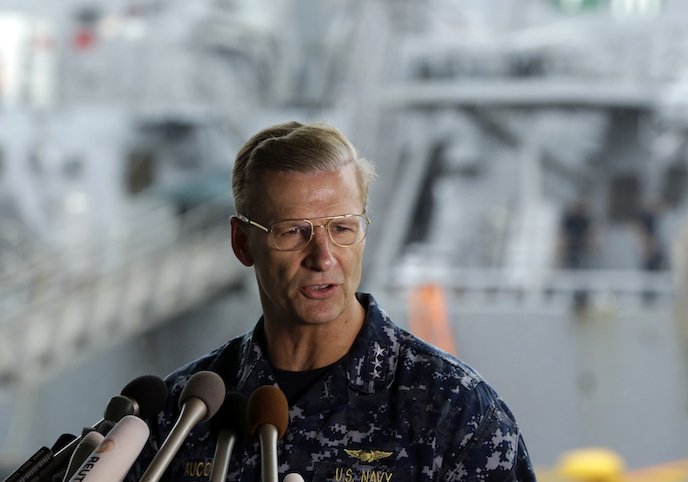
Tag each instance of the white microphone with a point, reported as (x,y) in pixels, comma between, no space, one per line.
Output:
(143,396)
(86,446)
(268,417)
(200,399)
(112,459)
(293,477)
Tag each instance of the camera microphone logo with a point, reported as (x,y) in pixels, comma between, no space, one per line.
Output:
(106,446)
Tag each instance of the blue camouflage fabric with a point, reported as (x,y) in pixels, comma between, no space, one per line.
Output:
(395,409)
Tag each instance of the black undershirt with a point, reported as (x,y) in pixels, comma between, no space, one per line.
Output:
(296,384)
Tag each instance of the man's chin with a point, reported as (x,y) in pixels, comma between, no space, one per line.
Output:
(318,312)
(319,317)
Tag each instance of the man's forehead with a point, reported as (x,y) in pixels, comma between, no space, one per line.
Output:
(294,194)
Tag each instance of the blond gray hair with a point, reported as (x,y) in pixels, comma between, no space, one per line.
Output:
(292,146)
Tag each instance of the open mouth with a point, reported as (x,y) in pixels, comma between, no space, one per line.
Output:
(321,287)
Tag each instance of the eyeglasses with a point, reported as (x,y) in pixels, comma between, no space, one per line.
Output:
(292,235)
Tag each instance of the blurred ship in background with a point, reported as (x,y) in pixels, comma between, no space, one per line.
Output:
(489,122)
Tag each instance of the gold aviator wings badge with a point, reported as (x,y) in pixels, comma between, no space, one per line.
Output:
(368,455)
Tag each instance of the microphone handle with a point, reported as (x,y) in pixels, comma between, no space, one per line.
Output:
(88,444)
(116,453)
(268,436)
(29,468)
(192,412)
(60,460)
(223,450)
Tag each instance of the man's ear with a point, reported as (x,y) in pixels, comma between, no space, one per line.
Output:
(240,242)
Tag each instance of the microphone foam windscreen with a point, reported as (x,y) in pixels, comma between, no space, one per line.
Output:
(92,439)
(150,392)
(232,416)
(118,407)
(293,477)
(88,444)
(206,386)
(114,456)
(268,404)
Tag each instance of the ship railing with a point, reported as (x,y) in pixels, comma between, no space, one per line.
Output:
(99,293)
(557,289)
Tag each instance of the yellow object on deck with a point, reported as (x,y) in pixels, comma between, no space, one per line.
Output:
(594,464)
(676,471)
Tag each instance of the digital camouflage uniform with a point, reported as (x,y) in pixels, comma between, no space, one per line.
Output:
(395,409)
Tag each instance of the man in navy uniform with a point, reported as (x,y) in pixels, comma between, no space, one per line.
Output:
(369,402)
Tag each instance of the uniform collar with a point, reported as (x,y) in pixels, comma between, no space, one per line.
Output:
(372,360)
(255,369)
(370,364)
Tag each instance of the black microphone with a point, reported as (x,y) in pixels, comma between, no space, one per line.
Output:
(103,428)
(199,401)
(39,460)
(143,396)
(31,467)
(268,417)
(229,427)
(62,441)
(149,394)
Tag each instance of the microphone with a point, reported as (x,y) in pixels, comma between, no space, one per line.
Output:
(62,441)
(268,417)
(114,456)
(148,393)
(229,425)
(88,444)
(28,469)
(103,428)
(293,477)
(143,396)
(199,401)
(39,460)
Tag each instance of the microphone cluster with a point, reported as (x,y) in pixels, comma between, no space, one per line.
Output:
(106,451)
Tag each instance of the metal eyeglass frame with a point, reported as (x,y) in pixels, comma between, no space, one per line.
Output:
(246,220)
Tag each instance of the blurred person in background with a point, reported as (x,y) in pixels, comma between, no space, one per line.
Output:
(365,396)
(577,237)
(647,224)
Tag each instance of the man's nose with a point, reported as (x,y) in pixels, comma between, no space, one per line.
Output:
(320,256)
